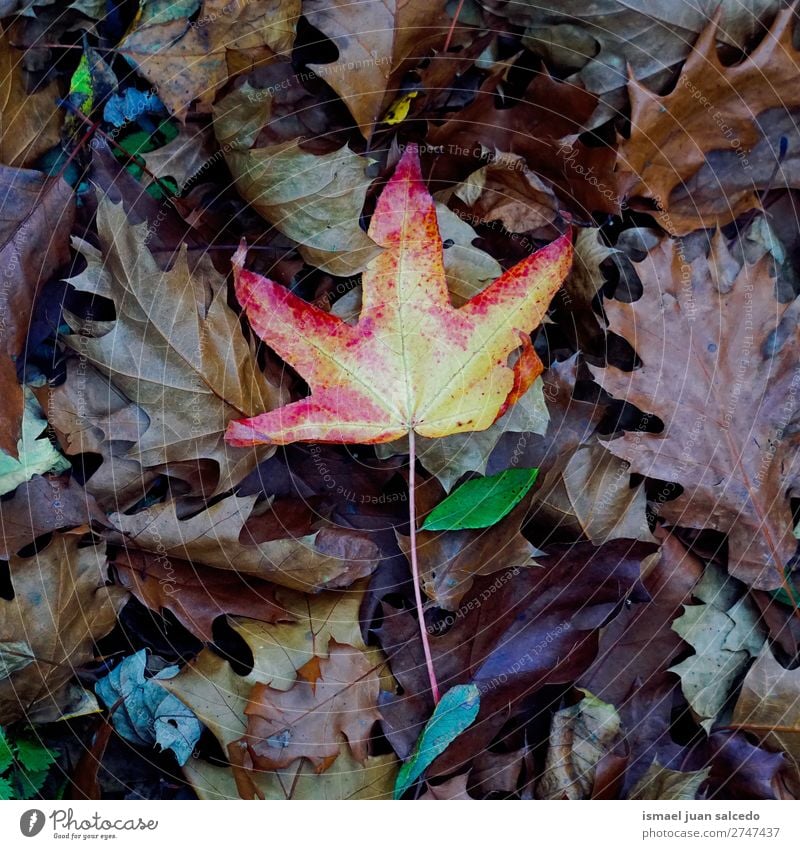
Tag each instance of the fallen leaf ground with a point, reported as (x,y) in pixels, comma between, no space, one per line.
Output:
(185,615)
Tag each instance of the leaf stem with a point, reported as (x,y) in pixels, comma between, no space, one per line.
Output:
(412,516)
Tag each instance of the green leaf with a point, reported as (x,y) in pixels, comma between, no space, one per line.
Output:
(6,790)
(29,784)
(32,756)
(6,755)
(80,85)
(453,715)
(481,502)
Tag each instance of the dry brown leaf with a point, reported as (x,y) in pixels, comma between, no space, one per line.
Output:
(606,505)
(542,127)
(664,784)
(718,355)
(307,720)
(41,505)
(346,779)
(30,122)
(769,705)
(195,595)
(450,560)
(506,190)
(580,736)
(35,223)
(188,60)
(176,347)
(218,537)
(374,41)
(61,606)
(90,416)
(712,107)
(183,157)
(602,40)
(314,199)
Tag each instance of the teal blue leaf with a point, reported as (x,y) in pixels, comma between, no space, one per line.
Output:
(453,715)
(36,455)
(147,714)
(481,502)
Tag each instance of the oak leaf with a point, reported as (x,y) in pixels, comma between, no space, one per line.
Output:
(600,42)
(413,361)
(89,415)
(712,107)
(307,720)
(374,41)
(718,364)
(194,594)
(769,705)
(218,537)
(61,606)
(725,633)
(176,347)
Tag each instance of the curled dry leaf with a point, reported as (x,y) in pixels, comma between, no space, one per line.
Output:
(580,736)
(314,199)
(38,212)
(449,561)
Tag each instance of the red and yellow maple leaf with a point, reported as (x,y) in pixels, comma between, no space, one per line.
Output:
(413,361)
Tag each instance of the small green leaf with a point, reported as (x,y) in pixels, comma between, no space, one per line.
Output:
(6,755)
(453,715)
(481,502)
(32,756)
(6,790)
(29,784)
(80,85)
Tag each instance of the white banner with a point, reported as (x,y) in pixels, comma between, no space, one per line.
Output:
(489,825)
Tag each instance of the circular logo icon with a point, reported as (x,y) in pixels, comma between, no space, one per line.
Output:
(31,822)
